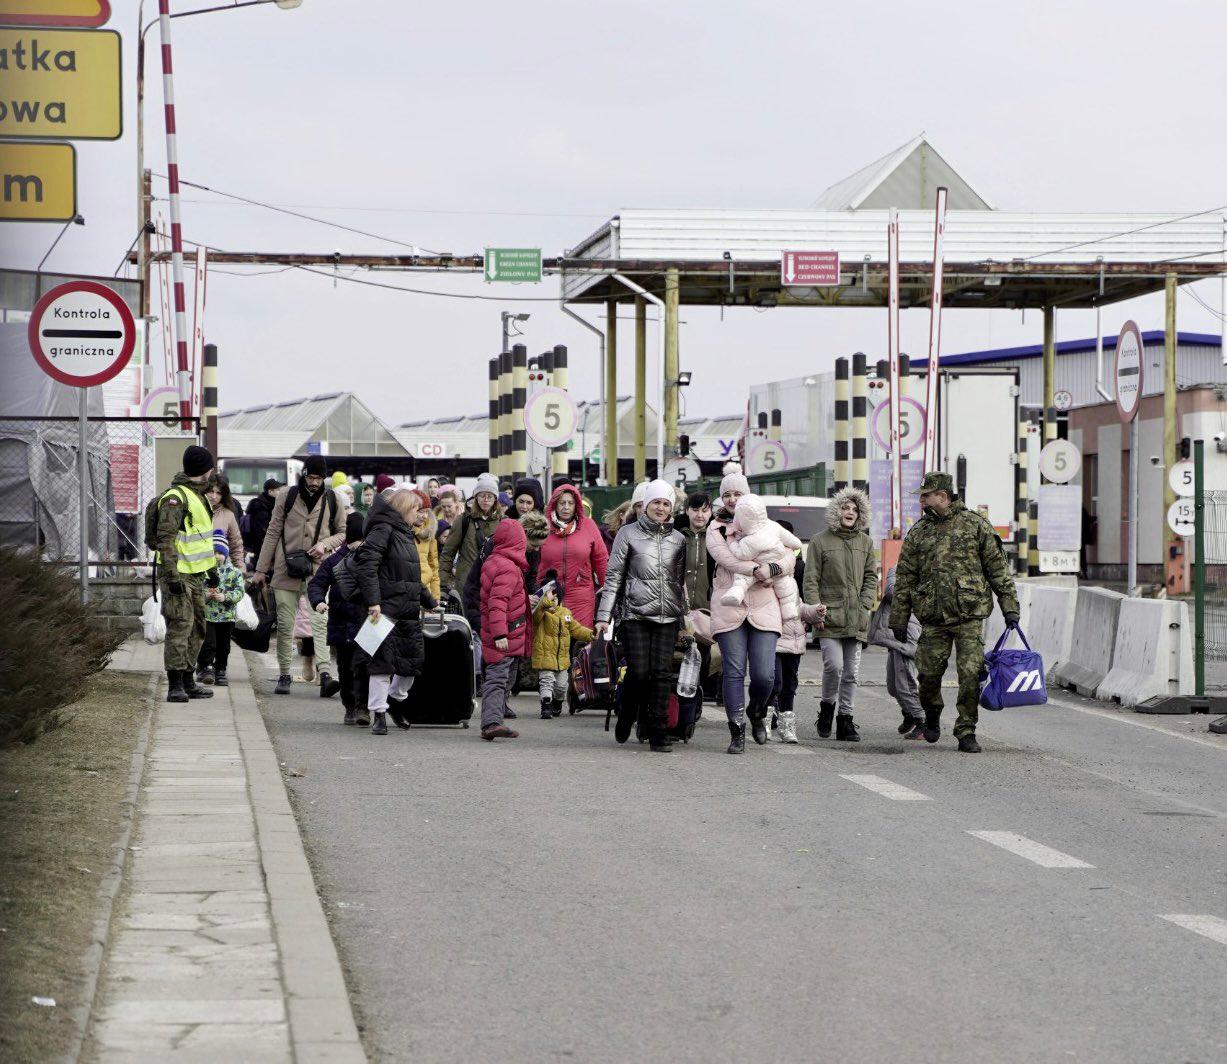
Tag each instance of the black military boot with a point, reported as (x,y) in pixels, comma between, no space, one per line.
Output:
(379,726)
(556,708)
(968,744)
(933,730)
(845,729)
(738,732)
(174,686)
(826,715)
(191,687)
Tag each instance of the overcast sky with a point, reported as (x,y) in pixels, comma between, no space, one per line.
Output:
(459,126)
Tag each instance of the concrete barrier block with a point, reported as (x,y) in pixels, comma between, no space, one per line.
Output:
(1050,623)
(1092,641)
(1153,653)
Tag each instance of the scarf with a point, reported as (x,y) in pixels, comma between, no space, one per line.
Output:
(565,528)
(309,498)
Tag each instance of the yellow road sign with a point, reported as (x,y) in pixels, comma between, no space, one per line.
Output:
(60,83)
(55,12)
(38,182)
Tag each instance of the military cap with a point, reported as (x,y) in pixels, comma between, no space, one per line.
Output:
(936,482)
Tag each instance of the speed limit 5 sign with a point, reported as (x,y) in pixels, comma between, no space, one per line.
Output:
(1060,461)
(551,417)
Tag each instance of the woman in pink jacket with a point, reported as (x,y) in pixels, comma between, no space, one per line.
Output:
(747,633)
(506,625)
(575,551)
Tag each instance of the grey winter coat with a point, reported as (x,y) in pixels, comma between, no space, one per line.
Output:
(646,577)
(880,634)
(840,571)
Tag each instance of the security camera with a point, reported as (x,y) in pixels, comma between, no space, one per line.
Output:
(1156,460)
(1219,437)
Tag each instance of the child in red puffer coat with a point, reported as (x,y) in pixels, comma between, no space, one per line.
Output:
(506,625)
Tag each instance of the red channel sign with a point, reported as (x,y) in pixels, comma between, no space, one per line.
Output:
(55,12)
(82,334)
(809,269)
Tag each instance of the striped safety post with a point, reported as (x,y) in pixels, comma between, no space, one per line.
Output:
(519,398)
(860,422)
(1022,530)
(1033,539)
(183,370)
(492,414)
(208,405)
(504,414)
(841,423)
(561,459)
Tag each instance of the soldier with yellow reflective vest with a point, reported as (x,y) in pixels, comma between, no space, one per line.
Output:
(186,566)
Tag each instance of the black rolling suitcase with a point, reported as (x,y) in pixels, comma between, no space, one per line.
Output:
(445,692)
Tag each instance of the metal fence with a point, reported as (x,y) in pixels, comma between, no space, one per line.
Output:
(40,488)
(1215,517)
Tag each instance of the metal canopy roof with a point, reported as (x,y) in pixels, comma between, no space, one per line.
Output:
(340,422)
(994,259)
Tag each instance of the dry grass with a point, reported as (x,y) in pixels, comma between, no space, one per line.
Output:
(62,811)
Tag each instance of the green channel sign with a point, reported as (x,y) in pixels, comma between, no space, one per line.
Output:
(513,264)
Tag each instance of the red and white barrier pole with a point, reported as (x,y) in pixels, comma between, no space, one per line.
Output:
(932,460)
(183,369)
(896,387)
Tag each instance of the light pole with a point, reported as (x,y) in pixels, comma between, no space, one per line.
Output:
(508,318)
(76,219)
(143,190)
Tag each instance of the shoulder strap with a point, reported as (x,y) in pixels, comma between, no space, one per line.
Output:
(290,497)
(331,500)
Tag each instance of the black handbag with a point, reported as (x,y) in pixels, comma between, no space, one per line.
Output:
(298,563)
(258,639)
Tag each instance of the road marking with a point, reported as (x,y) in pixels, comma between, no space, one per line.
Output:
(895,791)
(1038,853)
(1211,927)
(1090,711)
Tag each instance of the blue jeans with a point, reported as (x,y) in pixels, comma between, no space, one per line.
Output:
(746,645)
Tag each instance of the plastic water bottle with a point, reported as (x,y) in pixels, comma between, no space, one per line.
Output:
(688,674)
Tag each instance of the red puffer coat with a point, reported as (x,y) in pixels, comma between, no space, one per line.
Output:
(504,599)
(577,554)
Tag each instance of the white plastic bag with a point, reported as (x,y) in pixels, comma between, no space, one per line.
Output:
(152,621)
(245,617)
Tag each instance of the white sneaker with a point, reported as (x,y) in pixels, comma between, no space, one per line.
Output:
(788,727)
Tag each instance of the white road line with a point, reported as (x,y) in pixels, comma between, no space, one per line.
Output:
(895,791)
(1038,853)
(1211,927)
(1121,719)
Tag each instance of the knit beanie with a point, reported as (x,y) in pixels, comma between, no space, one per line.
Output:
(504,499)
(423,498)
(353,527)
(529,486)
(487,482)
(197,461)
(315,466)
(536,528)
(735,482)
(339,478)
(640,489)
(658,489)
(221,545)
(382,482)
(452,490)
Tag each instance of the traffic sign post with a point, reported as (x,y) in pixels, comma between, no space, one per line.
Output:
(681,471)
(1130,370)
(1060,461)
(518,265)
(769,456)
(82,334)
(809,269)
(551,417)
(1063,400)
(61,83)
(1181,478)
(911,425)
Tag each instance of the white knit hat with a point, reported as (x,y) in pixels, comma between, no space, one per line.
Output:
(735,482)
(640,489)
(657,489)
(487,482)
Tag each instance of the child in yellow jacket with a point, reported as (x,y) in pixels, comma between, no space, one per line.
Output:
(553,630)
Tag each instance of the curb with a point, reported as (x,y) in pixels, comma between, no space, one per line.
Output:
(108,891)
(321,1019)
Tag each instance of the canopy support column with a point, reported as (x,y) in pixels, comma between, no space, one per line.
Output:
(641,388)
(672,389)
(609,449)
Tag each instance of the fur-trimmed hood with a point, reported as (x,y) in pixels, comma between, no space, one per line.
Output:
(428,528)
(864,510)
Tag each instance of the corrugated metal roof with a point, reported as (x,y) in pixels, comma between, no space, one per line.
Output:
(1067,347)
(906,177)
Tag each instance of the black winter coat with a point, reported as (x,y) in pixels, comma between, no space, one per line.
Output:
(259,511)
(390,576)
(344,618)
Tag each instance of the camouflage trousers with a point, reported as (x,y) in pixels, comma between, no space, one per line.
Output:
(932,656)
(185,620)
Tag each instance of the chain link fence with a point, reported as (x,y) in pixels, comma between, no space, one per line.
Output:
(1215,517)
(40,489)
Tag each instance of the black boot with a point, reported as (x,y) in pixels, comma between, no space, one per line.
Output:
(845,729)
(623,726)
(547,708)
(556,708)
(968,744)
(933,730)
(190,686)
(204,674)
(219,679)
(379,726)
(659,742)
(826,715)
(363,716)
(738,732)
(328,686)
(907,725)
(174,686)
(351,716)
(757,716)
(283,684)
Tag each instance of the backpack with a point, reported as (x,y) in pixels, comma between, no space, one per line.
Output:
(151,517)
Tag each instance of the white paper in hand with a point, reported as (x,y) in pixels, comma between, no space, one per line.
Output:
(373,633)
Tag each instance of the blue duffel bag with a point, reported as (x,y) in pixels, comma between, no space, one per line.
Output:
(1015,677)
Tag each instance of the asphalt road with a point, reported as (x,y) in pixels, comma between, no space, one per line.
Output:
(1061,897)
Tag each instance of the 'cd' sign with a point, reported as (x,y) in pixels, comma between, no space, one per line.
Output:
(82,334)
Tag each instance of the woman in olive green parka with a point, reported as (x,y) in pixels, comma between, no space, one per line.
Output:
(840,573)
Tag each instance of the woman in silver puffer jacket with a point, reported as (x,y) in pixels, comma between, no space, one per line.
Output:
(645,590)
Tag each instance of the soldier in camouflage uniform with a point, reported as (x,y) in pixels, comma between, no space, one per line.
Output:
(951,566)
(185,567)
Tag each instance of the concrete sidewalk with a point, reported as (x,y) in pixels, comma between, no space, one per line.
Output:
(218,947)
